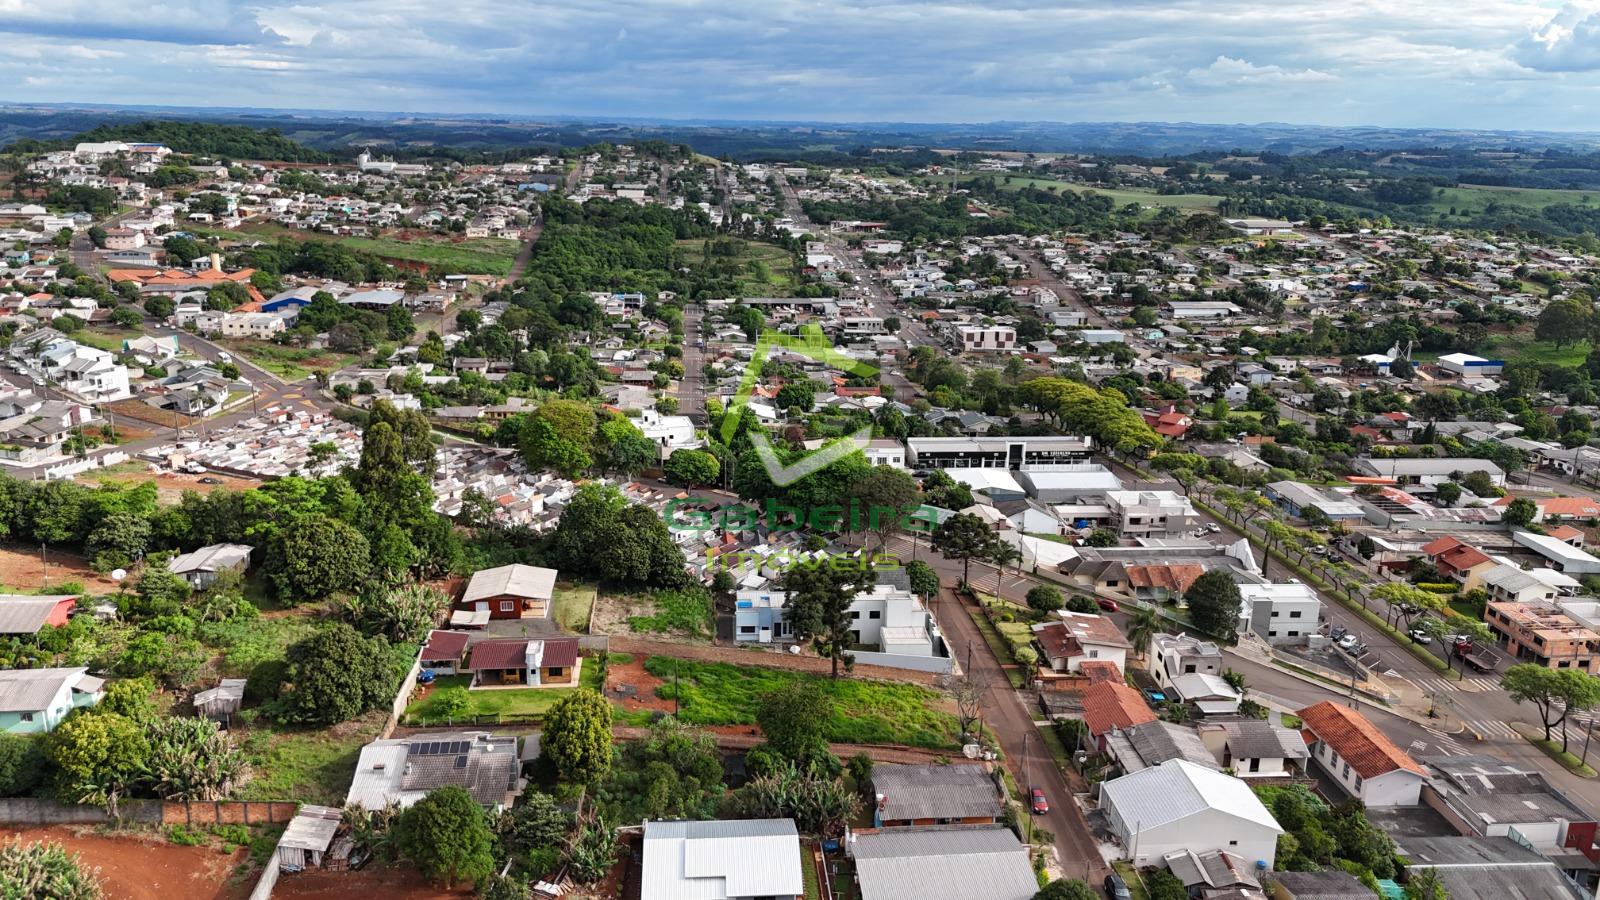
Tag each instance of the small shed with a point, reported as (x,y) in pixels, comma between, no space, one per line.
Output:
(221,701)
(308,837)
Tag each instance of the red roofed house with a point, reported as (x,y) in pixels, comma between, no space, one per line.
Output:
(1462,563)
(1111,705)
(1566,534)
(444,650)
(1168,422)
(1077,638)
(521,662)
(26,614)
(1369,766)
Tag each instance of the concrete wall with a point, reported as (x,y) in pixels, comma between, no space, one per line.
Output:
(939,664)
(402,697)
(27,811)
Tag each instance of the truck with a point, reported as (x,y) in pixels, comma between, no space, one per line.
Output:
(1476,655)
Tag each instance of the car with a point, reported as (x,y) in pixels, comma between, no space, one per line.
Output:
(1213,528)
(1116,888)
(209,480)
(1349,641)
(225,356)
(1107,604)
(1154,698)
(1037,801)
(1420,636)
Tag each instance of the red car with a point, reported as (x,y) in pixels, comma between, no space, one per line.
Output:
(1039,803)
(1107,604)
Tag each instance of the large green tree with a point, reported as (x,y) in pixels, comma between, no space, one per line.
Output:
(1555,693)
(965,537)
(446,836)
(791,718)
(336,675)
(1214,602)
(577,737)
(817,607)
(692,468)
(319,556)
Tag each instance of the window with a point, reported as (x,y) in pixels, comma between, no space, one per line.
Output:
(1274,614)
(747,629)
(1233,843)
(875,614)
(1293,633)
(1358,782)
(27,717)
(1347,770)
(1188,669)
(855,613)
(1094,654)
(1272,634)
(508,606)
(1295,614)
(557,671)
(1255,765)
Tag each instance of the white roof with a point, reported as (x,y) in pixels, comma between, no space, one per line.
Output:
(1178,789)
(515,580)
(1292,591)
(721,859)
(979,479)
(1203,686)
(1550,548)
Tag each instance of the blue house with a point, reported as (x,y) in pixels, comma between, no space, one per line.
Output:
(33,701)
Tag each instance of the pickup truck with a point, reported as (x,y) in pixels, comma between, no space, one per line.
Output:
(1476,655)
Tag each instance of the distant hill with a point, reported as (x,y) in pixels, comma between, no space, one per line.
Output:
(201,138)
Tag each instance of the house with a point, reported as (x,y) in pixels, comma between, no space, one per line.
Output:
(1137,514)
(404,770)
(1153,743)
(444,650)
(1214,874)
(743,859)
(952,862)
(1325,885)
(1493,798)
(202,567)
(1543,634)
(1180,806)
(36,700)
(1508,583)
(1255,748)
(1487,868)
(1465,365)
(1076,638)
(524,662)
(1298,499)
(1261,227)
(1365,763)
(934,795)
(515,591)
(1281,613)
(996,453)
(1210,694)
(24,614)
(888,617)
(1113,705)
(1172,655)
(1461,562)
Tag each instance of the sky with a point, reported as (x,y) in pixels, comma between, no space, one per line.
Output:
(1415,63)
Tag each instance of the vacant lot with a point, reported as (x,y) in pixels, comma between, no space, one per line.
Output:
(310,766)
(289,363)
(765,270)
(478,256)
(572,605)
(22,571)
(862,712)
(136,866)
(391,882)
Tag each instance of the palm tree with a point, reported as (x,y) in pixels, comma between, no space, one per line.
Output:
(1000,554)
(1142,626)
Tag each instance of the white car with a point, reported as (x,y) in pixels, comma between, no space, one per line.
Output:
(1349,641)
(1213,527)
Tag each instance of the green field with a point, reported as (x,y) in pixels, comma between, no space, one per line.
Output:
(572,605)
(1476,199)
(309,766)
(1121,196)
(765,270)
(289,363)
(478,256)
(862,712)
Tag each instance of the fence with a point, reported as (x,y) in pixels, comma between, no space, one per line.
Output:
(226,812)
(402,698)
(69,469)
(29,811)
(940,665)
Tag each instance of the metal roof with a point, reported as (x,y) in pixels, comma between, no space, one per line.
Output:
(1178,789)
(515,580)
(214,558)
(403,770)
(935,792)
(721,859)
(31,690)
(27,614)
(943,863)
(312,828)
(1257,739)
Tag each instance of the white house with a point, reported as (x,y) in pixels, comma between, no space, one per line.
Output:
(668,433)
(1255,748)
(1076,638)
(1151,513)
(736,859)
(1175,655)
(1178,806)
(252,325)
(1367,765)
(987,339)
(1211,694)
(887,616)
(1281,613)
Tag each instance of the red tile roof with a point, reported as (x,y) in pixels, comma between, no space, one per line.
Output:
(1100,670)
(445,645)
(1570,507)
(1058,641)
(511,653)
(1440,545)
(1173,578)
(1461,559)
(1112,704)
(1564,533)
(1357,741)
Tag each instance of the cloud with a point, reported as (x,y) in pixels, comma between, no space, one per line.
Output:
(1358,61)
(1568,42)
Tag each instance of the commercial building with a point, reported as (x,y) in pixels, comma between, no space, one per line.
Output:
(987,339)
(1137,514)
(1180,806)
(997,453)
(1543,634)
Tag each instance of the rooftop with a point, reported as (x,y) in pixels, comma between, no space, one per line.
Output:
(1177,789)
(1356,740)
(935,792)
(956,862)
(721,859)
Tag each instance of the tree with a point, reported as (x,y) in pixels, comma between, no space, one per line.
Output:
(1143,624)
(691,468)
(536,823)
(1519,513)
(1424,884)
(603,536)
(545,448)
(924,580)
(100,756)
(622,447)
(45,870)
(319,556)
(446,836)
(22,764)
(336,675)
(1565,321)
(1101,537)
(965,537)
(1044,598)
(1214,601)
(1553,692)
(791,717)
(1066,889)
(888,496)
(795,396)
(403,615)
(577,737)
(193,759)
(818,607)
(1448,493)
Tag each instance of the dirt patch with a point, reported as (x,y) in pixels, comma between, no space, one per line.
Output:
(146,867)
(612,612)
(22,569)
(171,485)
(373,881)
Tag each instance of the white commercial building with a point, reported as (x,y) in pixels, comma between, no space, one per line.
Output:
(1151,513)
(1179,806)
(1281,613)
(987,339)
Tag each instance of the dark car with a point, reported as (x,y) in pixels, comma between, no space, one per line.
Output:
(1038,802)
(1117,889)
(209,480)
(1107,604)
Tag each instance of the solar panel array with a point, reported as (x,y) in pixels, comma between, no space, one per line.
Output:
(438,748)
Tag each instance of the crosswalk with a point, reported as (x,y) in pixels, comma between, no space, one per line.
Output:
(1442,743)
(1468,685)
(1492,728)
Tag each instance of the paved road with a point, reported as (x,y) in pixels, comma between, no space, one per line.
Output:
(692,387)
(1070,296)
(1030,764)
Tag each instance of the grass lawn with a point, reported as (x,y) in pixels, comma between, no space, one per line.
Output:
(1552,749)
(572,605)
(766,270)
(103,340)
(1475,198)
(1521,345)
(289,363)
(862,712)
(689,612)
(1130,877)
(309,766)
(504,702)
(479,256)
